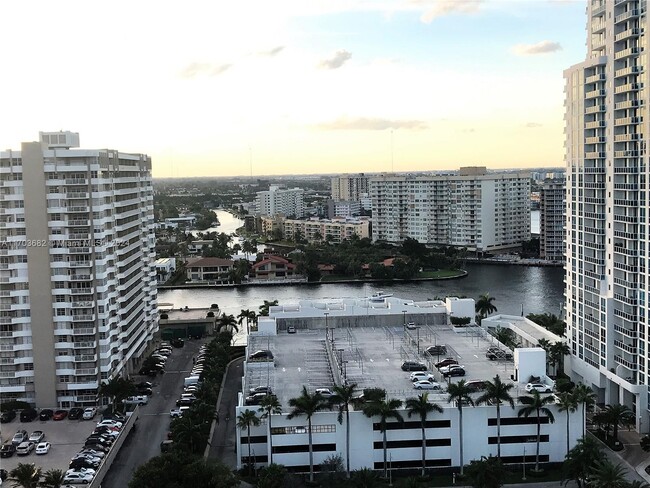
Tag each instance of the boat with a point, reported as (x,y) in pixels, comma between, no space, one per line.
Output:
(380,296)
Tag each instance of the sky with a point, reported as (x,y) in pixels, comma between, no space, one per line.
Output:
(216,88)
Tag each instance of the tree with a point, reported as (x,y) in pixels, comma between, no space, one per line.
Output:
(645,443)
(307,404)
(364,478)
(178,468)
(536,404)
(505,337)
(226,321)
(187,431)
(422,407)
(246,420)
(585,396)
(484,305)
(271,476)
(264,309)
(385,409)
(495,393)
(117,389)
(459,393)
(616,415)
(488,472)
(344,397)
(270,406)
(557,352)
(249,316)
(607,475)
(550,322)
(568,404)
(580,460)
(25,475)
(53,478)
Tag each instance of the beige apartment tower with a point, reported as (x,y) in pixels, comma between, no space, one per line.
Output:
(77,273)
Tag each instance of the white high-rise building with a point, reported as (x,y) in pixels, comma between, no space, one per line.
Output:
(607,245)
(77,273)
(474,209)
(276,200)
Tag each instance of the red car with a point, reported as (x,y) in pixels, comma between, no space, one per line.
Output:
(60,415)
(446,362)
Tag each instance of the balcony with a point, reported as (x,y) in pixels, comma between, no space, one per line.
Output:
(76,181)
(630,14)
(630,87)
(78,223)
(85,357)
(625,53)
(76,194)
(80,264)
(595,109)
(627,137)
(623,362)
(626,332)
(81,291)
(83,318)
(596,124)
(625,347)
(626,154)
(627,121)
(595,93)
(84,331)
(628,104)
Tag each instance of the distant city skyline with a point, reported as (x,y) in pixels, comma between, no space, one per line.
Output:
(297,87)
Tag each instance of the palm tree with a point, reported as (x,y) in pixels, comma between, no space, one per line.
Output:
(117,389)
(344,397)
(248,315)
(246,420)
(618,414)
(264,309)
(535,403)
(587,452)
(384,409)
(270,406)
(307,404)
(568,404)
(226,321)
(484,305)
(25,475)
(584,395)
(607,475)
(488,472)
(186,430)
(645,443)
(495,393)
(421,406)
(557,352)
(53,478)
(459,393)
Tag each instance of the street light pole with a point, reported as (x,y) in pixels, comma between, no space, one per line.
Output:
(327,330)
(404,324)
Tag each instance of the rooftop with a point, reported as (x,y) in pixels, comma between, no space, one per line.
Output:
(371,357)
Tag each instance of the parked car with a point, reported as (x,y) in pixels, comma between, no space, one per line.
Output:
(92,452)
(426,385)
(411,326)
(325,392)
(260,389)
(110,423)
(76,477)
(81,470)
(7,416)
(413,366)
(166,445)
(7,450)
(36,436)
(291,329)
(540,387)
(454,371)
(437,350)
(46,414)
(89,413)
(80,463)
(106,439)
(177,342)
(255,399)
(494,355)
(262,354)
(445,362)
(144,384)
(178,412)
(24,448)
(107,431)
(19,437)
(96,446)
(185,402)
(43,448)
(136,400)
(60,415)
(75,413)
(476,385)
(421,375)
(145,391)
(28,415)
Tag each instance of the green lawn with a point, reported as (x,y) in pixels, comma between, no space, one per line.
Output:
(440,273)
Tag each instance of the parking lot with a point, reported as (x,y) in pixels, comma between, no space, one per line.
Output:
(66,436)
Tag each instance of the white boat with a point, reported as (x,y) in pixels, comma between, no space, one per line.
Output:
(380,296)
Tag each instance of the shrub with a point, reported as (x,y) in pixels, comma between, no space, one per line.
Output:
(164,316)
(460,320)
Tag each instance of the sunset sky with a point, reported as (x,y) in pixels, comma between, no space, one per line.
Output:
(296,86)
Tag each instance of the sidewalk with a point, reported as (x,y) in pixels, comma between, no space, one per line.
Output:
(633,458)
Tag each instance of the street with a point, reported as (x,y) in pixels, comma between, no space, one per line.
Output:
(152,427)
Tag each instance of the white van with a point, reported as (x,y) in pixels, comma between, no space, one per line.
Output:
(191,380)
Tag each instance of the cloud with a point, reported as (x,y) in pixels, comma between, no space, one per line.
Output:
(542,47)
(439,8)
(364,123)
(271,52)
(336,60)
(532,125)
(193,70)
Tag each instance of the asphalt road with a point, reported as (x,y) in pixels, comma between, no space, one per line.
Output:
(151,429)
(223,442)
